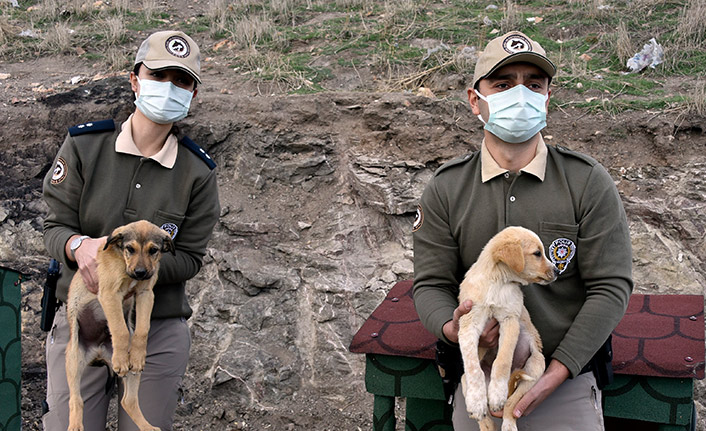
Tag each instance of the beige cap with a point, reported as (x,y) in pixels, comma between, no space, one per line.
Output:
(168,50)
(512,47)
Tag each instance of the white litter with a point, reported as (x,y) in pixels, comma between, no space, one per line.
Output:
(651,55)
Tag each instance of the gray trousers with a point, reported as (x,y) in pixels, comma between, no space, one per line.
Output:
(168,347)
(575,406)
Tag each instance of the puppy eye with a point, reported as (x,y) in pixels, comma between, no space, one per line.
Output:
(130,249)
(537,253)
(153,250)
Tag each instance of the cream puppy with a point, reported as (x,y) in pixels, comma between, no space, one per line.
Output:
(511,259)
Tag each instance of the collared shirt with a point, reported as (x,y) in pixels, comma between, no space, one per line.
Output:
(125,144)
(100,187)
(577,213)
(537,167)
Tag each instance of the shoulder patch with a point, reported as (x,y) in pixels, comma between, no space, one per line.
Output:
(418,219)
(191,145)
(565,151)
(92,127)
(456,162)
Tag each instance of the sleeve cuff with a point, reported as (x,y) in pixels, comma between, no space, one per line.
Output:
(573,367)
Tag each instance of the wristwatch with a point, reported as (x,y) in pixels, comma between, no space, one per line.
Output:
(75,244)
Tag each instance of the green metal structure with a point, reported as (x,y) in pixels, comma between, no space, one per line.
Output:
(658,352)
(10,350)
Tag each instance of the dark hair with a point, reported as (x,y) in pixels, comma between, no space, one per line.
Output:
(136,71)
(477,86)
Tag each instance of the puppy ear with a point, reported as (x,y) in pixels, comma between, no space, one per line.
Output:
(168,244)
(511,255)
(116,239)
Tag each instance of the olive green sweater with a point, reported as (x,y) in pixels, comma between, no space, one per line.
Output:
(94,189)
(575,208)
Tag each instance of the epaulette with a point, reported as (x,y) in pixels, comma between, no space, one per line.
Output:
(454,162)
(191,145)
(588,159)
(92,127)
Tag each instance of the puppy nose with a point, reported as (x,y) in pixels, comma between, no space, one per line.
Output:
(140,273)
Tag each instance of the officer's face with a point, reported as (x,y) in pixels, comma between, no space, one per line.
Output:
(176,76)
(505,78)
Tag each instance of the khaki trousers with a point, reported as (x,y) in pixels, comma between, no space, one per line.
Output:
(574,406)
(168,347)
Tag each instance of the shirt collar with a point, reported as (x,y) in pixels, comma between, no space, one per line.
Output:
(537,167)
(126,145)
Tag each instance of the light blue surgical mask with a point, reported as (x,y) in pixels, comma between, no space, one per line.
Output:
(162,101)
(516,115)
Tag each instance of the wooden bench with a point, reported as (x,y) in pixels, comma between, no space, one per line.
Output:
(658,352)
(10,350)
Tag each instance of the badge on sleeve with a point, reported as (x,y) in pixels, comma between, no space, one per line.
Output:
(171,229)
(418,219)
(561,251)
(59,173)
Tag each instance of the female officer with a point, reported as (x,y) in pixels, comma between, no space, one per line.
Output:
(106,176)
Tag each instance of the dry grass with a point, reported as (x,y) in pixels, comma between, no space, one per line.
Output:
(6,31)
(121,6)
(48,9)
(113,30)
(698,99)
(118,59)
(282,8)
(249,31)
(149,8)
(511,19)
(273,66)
(348,3)
(51,10)
(218,13)
(57,39)
(691,34)
(398,15)
(623,46)
(570,68)
(692,23)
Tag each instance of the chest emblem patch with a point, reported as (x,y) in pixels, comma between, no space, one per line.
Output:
(59,173)
(561,251)
(171,229)
(418,219)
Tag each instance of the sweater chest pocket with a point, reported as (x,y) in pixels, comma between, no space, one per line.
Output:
(560,244)
(170,222)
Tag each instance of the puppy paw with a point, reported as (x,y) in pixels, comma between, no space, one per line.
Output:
(487,424)
(509,425)
(121,363)
(476,407)
(497,396)
(137,362)
(75,427)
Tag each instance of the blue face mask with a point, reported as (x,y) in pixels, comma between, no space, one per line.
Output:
(162,101)
(516,115)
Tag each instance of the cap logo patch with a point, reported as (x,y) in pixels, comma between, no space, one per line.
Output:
(59,173)
(516,43)
(177,46)
(418,219)
(171,229)
(561,251)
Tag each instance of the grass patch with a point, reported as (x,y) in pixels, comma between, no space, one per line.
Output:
(404,43)
(616,106)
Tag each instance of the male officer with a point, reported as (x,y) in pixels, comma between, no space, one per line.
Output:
(567,198)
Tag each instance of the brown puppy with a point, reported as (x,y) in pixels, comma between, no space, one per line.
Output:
(127,272)
(512,258)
